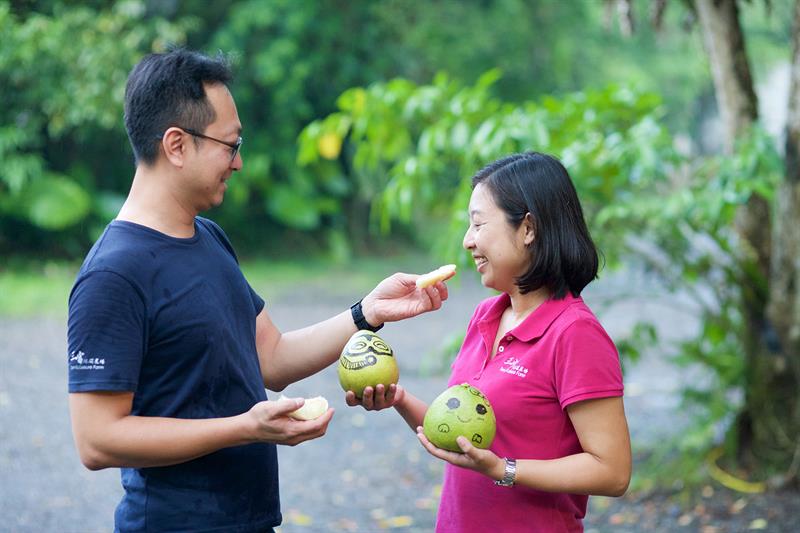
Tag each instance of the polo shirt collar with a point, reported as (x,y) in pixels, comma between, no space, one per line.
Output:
(537,322)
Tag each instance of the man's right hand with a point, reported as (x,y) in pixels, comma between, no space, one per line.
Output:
(270,422)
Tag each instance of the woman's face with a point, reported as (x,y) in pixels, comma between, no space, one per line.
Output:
(499,249)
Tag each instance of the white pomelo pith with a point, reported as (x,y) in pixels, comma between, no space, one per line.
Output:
(312,408)
(441,273)
(367,361)
(460,410)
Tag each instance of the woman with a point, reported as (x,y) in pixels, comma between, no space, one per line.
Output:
(539,354)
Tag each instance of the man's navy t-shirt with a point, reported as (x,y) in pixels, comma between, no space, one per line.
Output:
(173,321)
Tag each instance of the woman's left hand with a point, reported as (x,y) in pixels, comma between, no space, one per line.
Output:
(482,461)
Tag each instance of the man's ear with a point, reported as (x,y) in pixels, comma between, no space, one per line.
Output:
(530,229)
(174,144)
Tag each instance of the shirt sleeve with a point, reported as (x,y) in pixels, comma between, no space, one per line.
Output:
(258,301)
(586,364)
(106,332)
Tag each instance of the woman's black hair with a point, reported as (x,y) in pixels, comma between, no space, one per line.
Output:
(165,90)
(562,255)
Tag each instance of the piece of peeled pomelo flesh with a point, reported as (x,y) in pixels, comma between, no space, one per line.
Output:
(441,273)
(312,408)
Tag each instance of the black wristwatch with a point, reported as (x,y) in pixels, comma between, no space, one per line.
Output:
(359,320)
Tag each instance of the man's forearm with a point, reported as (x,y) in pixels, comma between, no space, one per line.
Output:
(136,441)
(298,354)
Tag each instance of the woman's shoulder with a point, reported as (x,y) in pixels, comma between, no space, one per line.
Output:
(579,310)
(579,319)
(576,315)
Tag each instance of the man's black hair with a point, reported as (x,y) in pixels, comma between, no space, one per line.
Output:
(166,90)
(562,255)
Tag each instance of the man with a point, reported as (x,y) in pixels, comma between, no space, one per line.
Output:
(170,348)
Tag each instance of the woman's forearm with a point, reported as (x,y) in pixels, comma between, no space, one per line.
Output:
(412,409)
(582,473)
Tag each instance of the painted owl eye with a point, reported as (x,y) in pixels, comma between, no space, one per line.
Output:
(453,403)
(481,409)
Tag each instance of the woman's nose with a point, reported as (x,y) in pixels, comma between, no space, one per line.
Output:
(468,241)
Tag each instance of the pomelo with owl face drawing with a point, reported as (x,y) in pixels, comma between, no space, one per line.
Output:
(366,361)
(460,410)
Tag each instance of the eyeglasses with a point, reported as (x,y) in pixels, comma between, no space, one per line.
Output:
(233,146)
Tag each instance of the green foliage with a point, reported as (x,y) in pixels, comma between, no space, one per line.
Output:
(62,76)
(292,59)
(412,148)
(685,235)
(63,67)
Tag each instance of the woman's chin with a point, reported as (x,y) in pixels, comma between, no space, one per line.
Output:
(487,281)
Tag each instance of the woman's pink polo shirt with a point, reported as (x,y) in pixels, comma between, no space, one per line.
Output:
(559,355)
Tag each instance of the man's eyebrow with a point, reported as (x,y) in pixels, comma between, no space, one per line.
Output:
(473,212)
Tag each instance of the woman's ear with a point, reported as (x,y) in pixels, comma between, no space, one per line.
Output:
(174,145)
(530,230)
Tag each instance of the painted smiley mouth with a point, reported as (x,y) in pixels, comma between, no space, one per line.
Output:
(462,420)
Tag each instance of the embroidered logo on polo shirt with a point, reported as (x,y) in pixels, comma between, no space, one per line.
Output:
(512,366)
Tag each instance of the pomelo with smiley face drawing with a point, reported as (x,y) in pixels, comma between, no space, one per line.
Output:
(367,361)
(460,410)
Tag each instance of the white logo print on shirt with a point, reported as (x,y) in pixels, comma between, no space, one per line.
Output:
(512,366)
(78,361)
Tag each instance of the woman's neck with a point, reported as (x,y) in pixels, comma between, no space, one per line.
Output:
(523,305)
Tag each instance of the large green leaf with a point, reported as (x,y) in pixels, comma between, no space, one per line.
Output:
(292,207)
(55,202)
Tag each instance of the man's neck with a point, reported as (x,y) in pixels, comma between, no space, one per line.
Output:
(153,204)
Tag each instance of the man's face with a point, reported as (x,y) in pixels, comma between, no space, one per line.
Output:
(212,166)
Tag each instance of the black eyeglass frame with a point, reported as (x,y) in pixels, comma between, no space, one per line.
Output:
(235,147)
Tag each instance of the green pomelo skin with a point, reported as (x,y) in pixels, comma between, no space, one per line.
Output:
(384,371)
(460,410)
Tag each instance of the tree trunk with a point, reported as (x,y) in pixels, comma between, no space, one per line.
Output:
(724,42)
(738,106)
(784,302)
(767,428)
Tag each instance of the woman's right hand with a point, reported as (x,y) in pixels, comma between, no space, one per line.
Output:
(376,399)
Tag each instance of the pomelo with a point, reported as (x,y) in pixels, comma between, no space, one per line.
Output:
(312,408)
(432,277)
(366,361)
(460,410)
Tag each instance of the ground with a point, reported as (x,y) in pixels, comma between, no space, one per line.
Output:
(368,473)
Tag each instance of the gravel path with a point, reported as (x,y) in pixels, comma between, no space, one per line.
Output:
(368,473)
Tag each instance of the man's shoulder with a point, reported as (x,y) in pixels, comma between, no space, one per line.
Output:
(122,249)
(214,229)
